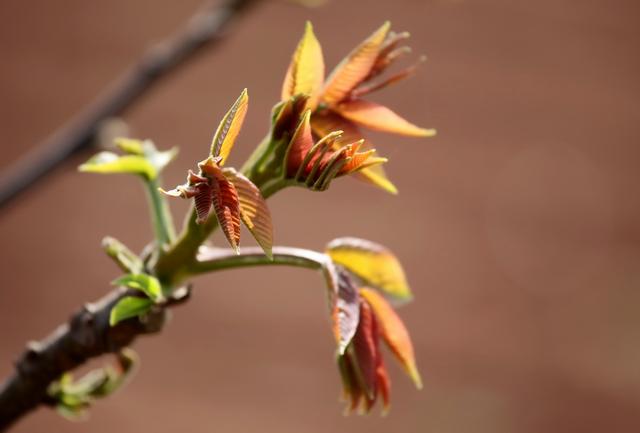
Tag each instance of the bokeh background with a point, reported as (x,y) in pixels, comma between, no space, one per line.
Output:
(518,225)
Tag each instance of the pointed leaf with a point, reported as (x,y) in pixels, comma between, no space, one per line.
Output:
(254,211)
(323,124)
(374,264)
(128,307)
(130,145)
(203,201)
(380,118)
(109,162)
(306,71)
(300,144)
(229,128)
(355,68)
(227,207)
(147,284)
(365,350)
(394,332)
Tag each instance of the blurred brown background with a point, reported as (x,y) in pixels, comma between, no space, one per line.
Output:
(519,224)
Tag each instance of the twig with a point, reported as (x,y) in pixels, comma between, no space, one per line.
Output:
(88,333)
(205,28)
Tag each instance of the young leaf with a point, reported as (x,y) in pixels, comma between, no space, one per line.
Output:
(380,118)
(229,128)
(324,124)
(345,302)
(128,307)
(374,264)
(355,68)
(227,207)
(299,146)
(130,145)
(394,333)
(365,350)
(253,210)
(109,162)
(306,71)
(147,284)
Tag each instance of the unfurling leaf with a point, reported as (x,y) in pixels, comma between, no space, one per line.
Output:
(253,210)
(394,333)
(300,145)
(147,284)
(375,265)
(355,67)
(323,125)
(128,307)
(345,306)
(306,71)
(380,118)
(229,128)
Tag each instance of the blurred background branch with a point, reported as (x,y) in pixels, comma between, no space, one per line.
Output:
(207,27)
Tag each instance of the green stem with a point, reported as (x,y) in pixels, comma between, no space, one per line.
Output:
(160,214)
(213,259)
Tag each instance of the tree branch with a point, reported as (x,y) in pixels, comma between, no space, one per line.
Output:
(88,334)
(204,29)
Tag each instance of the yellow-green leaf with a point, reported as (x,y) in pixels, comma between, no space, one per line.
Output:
(147,284)
(109,162)
(394,332)
(375,265)
(306,70)
(229,128)
(128,307)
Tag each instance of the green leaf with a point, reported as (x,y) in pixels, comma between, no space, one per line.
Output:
(109,163)
(141,158)
(128,307)
(147,284)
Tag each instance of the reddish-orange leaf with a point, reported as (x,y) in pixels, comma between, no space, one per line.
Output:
(203,201)
(306,71)
(253,210)
(380,118)
(365,350)
(229,128)
(384,383)
(354,68)
(324,123)
(227,207)
(394,332)
(301,143)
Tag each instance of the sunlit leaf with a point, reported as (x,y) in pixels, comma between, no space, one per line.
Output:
(254,211)
(374,264)
(128,307)
(109,162)
(394,333)
(306,71)
(142,158)
(131,146)
(354,68)
(147,284)
(229,128)
(380,118)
